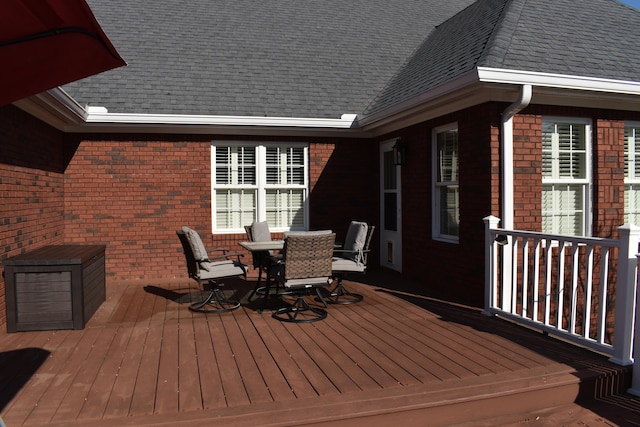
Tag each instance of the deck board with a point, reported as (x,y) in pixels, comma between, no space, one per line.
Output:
(145,357)
(28,398)
(384,355)
(144,381)
(84,382)
(261,357)
(230,377)
(52,398)
(256,389)
(294,379)
(320,383)
(362,356)
(446,357)
(210,384)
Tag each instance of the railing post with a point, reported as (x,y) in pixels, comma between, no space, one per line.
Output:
(625,295)
(490,265)
(635,382)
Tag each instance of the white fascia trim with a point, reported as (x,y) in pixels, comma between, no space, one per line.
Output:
(54,107)
(99,115)
(516,77)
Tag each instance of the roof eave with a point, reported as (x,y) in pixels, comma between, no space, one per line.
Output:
(480,85)
(560,81)
(56,108)
(572,91)
(99,120)
(490,84)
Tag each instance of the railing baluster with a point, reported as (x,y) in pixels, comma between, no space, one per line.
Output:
(560,285)
(514,275)
(535,279)
(525,277)
(588,285)
(573,297)
(547,282)
(602,295)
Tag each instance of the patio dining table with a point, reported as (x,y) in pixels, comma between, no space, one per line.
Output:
(268,245)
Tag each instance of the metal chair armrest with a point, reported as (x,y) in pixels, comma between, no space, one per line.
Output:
(227,256)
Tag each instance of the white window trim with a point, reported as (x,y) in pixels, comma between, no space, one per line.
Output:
(630,181)
(588,181)
(435,199)
(262,186)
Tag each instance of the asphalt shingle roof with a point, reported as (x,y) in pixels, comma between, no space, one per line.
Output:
(589,38)
(303,58)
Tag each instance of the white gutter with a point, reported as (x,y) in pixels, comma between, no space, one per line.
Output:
(61,111)
(102,116)
(507,154)
(561,81)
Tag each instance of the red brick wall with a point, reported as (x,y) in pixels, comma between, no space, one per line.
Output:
(607,163)
(455,270)
(608,169)
(527,172)
(132,195)
(32,163)
(344,185)
(132,192)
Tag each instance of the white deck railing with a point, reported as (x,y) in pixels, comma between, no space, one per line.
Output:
(582,289)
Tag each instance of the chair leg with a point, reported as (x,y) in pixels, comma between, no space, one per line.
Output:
(215,300)
(255,289)
(298,312)
(320,297)
(341,295)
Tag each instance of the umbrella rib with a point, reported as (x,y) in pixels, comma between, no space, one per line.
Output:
(57,32)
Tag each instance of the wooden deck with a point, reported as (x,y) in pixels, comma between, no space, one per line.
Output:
(396,357)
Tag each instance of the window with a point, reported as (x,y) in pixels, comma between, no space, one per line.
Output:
(632,174)
(566,190)
(446,200)
(258,182)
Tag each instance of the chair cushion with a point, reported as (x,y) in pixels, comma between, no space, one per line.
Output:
(344,265)
(310,282)
(355,240)
(219,269)
(260,231)
(199,251)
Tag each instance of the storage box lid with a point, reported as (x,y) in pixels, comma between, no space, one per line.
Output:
(57,255)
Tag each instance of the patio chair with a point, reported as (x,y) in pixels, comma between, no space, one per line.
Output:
(305,265)
(350,258)
(262,260)
(210,271)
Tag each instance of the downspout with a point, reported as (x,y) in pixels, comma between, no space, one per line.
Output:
(507,154)
(507,188)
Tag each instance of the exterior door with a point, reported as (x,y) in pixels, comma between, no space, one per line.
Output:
(390,209)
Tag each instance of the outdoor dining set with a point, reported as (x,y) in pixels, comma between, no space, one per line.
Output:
(302,264)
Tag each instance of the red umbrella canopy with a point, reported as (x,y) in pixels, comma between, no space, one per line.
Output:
(48,43)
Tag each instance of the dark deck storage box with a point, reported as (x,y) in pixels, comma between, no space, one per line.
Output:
(54,287)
